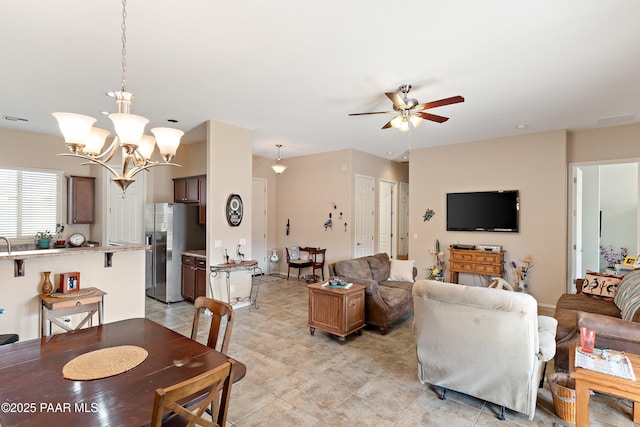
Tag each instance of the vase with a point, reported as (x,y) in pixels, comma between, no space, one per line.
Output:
(47,286)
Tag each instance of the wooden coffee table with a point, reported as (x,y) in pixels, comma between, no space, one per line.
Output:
(337,311)
(591,380)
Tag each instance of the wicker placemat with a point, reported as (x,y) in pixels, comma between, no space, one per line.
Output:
(104,363)
(79,293)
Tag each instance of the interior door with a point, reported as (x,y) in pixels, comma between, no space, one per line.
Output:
(386,217)
(364,215)
(259,223)
(125,216)
(403,217)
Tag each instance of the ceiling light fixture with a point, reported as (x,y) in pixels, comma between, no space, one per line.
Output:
(402,120)
(278,167)
(86,142)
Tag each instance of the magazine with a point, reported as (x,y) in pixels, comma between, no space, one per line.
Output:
(606,361)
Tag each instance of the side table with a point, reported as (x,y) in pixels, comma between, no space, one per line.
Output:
(88,300)
(336,310)
(591,380)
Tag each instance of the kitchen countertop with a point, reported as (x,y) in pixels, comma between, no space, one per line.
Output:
(198,253)
(39,253)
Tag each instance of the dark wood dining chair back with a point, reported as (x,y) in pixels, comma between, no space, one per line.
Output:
(219,311)
(294,261)
(209,386)
(316,255)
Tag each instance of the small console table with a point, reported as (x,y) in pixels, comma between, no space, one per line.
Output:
(88,300)
(248,265)
(475,262)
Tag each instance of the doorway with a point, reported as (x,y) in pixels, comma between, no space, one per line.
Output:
(603,213)
(364,216)
(125,216)
(387,218)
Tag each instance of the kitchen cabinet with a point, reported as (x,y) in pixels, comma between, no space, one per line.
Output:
(186,190)
(80,199)
(192,189)
(194,277)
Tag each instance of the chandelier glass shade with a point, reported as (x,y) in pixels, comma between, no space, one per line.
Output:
(86,142)
(278,167)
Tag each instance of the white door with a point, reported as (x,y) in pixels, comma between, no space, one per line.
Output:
(403,247)
(386,217)
(364,215)
(125,216)
(259,223)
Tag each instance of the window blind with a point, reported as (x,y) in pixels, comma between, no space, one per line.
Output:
(29,202)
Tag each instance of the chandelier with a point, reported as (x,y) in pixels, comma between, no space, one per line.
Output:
(86,142)
(278,167)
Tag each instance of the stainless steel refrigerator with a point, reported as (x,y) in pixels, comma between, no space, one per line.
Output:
(169,229)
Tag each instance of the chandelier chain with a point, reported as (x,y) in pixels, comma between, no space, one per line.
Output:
(124,44)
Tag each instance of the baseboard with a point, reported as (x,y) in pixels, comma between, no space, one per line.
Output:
(546,310)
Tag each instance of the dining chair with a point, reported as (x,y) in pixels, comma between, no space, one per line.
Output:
(209,383)
(316,255)
(294,261)
(219,310)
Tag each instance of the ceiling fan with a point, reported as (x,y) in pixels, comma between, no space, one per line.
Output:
(409,111)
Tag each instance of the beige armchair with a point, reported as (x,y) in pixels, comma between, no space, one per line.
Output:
(487,343)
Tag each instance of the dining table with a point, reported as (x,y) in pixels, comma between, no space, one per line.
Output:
(33,391)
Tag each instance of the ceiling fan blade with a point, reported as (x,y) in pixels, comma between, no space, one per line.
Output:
(440,103)
(432,117)
(396,99)
(364,114)
(387,125)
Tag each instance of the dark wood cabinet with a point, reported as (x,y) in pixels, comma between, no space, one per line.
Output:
(186,190)
(192,189)
(81,199)
(194,277)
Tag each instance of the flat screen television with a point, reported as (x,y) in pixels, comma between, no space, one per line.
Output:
(483,211)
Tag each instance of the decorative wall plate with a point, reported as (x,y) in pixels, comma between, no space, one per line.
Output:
(234,210)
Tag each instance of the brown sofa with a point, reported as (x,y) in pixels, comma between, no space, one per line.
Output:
(385,300)
(579,310)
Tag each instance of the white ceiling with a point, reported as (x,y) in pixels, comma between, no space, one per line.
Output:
(293,70)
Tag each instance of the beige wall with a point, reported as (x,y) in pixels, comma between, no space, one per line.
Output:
(533,164)
(229,171)
(604,144)
(308,190)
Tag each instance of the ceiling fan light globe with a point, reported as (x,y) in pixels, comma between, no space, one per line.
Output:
(404,126)
(396,122)
(415,120)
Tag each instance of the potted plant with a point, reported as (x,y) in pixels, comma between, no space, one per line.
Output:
(44,239)
(60,242)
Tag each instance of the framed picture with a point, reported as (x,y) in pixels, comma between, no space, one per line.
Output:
(629,261)
(69,282)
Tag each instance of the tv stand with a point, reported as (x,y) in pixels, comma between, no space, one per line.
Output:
(475,262)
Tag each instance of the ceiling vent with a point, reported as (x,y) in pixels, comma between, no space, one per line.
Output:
(618,120)
(14,118)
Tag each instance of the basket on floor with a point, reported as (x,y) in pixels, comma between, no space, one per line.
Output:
(563,391)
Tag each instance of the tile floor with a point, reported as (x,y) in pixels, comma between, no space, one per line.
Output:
(295,379)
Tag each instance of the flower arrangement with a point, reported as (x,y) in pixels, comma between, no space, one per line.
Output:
(611,256)
(437,271)
(520,273)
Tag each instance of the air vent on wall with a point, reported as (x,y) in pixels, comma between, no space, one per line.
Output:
(14,118)
(618,120)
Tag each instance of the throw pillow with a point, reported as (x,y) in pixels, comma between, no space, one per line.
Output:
(627,298)
(601,285)
(402,270)
(294,253)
